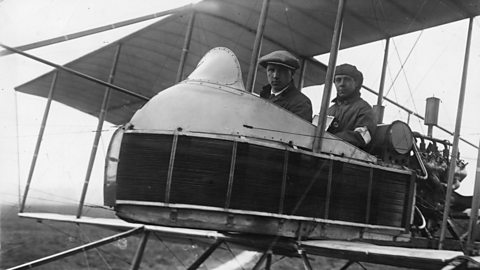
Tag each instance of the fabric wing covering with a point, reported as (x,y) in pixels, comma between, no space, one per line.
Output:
(149,58)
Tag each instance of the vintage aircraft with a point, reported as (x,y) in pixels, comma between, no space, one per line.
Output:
(203,157)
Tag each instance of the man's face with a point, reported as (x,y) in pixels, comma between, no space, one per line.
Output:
(345,85)
(278,76)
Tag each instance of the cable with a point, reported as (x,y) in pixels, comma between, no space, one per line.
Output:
(405,75)
(169,250)
(96,249)
(18,149)
(233,255)
(405,61)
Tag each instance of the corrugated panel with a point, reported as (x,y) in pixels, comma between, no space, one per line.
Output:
(143,167)
(201,177)
(258,179)
(150,57)
(306,186)
(209,182)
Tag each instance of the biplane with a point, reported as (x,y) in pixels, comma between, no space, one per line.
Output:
(198,155)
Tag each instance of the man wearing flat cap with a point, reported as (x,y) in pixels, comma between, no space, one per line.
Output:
(281,90)
(354,118)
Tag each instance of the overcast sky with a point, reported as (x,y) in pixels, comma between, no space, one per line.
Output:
(433,69)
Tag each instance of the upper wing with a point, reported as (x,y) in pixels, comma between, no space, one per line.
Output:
(149,58)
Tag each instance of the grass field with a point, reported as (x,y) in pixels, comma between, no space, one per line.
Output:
(24,240)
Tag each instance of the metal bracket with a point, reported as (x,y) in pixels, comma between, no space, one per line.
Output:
(173,215)
(230,220)
(281,222)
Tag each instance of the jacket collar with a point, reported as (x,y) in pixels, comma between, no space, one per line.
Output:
(266,90)
(354,97)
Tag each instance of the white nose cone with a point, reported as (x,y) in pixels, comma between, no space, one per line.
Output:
(219,66)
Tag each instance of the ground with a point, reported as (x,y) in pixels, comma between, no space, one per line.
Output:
(24,240)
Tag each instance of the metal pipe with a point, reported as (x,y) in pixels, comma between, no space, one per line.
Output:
(173,152)
(268,263)
(456,136)
(384,72)
(137,259)
(379,108)
(231,175)
(410,112)
(260,261)
(98,133)
(76,250)
(79,74)
(393,102)
(39,141)
(474,210)
(301,79)
(303,254)
(186,47)
(329,189)
(256,46)
(17,142)
(322,116)
(96,30)
(430,131)
(369,197)
(205,255)
(284,182)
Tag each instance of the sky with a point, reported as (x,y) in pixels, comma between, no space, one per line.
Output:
(65,151)
(434,68)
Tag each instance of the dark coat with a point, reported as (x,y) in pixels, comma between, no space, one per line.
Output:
(349,114)
(291,99)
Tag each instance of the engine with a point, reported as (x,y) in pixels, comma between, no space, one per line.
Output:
(431,192)
(396,145)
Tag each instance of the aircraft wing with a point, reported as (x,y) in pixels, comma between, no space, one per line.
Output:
(396,256)
(114,223)
(350,250)
(149,58)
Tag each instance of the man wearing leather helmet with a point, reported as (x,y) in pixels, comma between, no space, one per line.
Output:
(281,90)
(354,118)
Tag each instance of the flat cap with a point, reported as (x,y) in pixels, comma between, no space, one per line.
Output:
(282,58)
(352,71)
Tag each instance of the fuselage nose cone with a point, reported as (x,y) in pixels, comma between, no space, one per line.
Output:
(219,66)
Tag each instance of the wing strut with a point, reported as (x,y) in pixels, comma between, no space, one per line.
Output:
(456,137)
(101,120)
(303,69)
(257,46)
(267,255)
(306,262)
(379,108)
(79,249)
(205,255)
(472,227)
(348,264)
(186,47)
(39,141)
(322,115)
(139,253)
